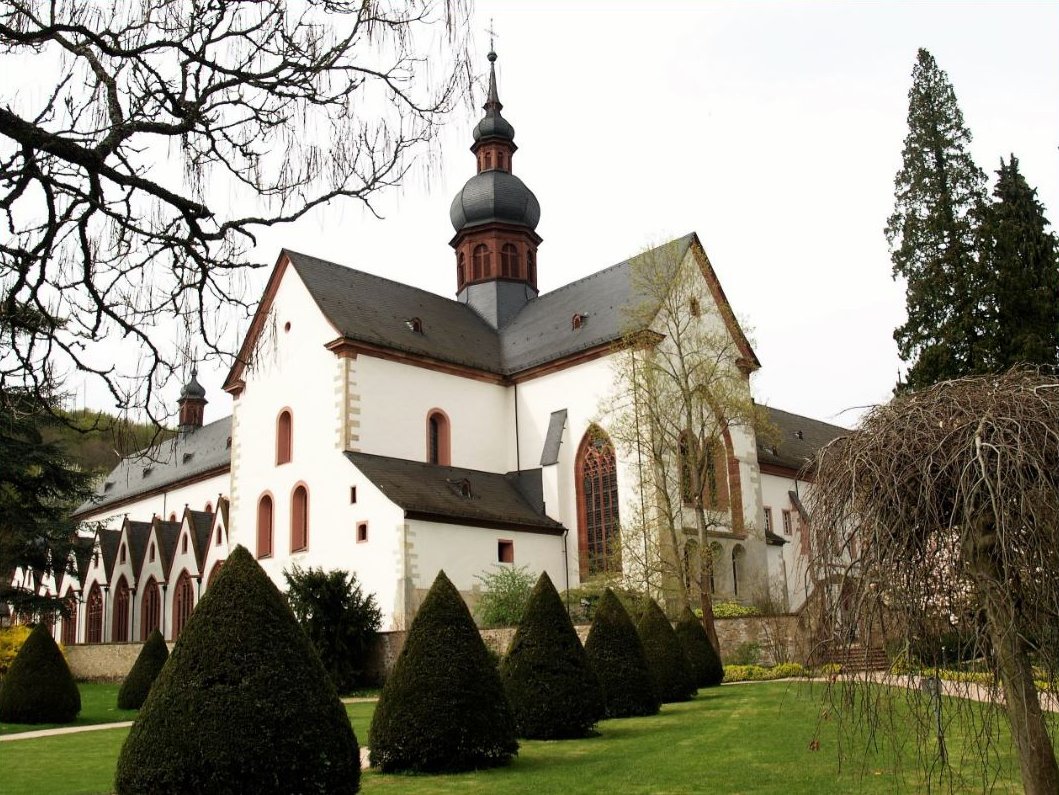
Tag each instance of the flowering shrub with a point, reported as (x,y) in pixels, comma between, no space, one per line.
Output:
(731,610)
(759,673)
(11,640)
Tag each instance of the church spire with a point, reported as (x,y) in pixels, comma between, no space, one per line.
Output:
(495,217)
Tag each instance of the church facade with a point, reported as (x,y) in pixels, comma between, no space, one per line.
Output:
(394,433)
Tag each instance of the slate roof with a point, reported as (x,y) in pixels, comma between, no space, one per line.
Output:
(374,310)
(429,491)
(168,533)
(138,533)
(800,438)
(184,456)
(108,544)
(201,527)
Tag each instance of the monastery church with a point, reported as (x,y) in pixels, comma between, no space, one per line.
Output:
(391,432)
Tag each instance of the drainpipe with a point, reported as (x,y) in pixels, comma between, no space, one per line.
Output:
(518,455)
(566,568)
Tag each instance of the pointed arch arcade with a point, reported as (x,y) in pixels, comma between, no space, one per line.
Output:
(119,630)
(183,602)
(150,609)
(94,615)
(598,521)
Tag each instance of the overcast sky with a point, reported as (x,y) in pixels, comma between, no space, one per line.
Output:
(772,130)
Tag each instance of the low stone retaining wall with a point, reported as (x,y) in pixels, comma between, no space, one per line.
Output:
(778,639)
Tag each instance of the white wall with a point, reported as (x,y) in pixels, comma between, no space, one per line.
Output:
(789,564)
(172,501)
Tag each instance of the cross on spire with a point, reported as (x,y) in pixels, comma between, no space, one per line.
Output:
(491,30)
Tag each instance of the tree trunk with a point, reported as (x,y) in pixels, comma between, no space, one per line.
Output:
(1040,773)
(708,622)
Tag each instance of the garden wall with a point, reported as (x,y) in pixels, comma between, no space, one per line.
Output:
(777,639)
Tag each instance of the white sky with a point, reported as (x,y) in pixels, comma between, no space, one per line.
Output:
(774,130)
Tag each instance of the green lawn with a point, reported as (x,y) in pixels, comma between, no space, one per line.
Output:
(744,738)
(99,704)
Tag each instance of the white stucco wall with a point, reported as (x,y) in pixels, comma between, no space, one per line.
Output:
(172,501)
(787,566)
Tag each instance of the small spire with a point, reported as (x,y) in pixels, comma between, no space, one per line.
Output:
(492,101)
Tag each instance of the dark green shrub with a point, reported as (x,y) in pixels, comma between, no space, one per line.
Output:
(38,687)
(443,707)
(672,674)
(339,619)
(549,682)
(243,705)
(706,668)
(147,666)
(505,596)
(616,654)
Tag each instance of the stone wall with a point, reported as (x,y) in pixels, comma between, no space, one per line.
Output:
(103,662)
(778,639)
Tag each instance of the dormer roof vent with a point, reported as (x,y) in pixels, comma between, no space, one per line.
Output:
(578,320)
(415,325)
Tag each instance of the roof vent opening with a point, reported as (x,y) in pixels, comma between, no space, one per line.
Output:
(415,325)
(188,457)
(147,471)
(462,487)
(108,485)
(228,444)
(799,435)
(578,320)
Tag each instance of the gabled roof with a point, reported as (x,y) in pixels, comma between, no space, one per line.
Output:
(138,535)
(108,545)
(201,528)
(374,311)
(800,439)
(167,534)
(437,493)
(185,456)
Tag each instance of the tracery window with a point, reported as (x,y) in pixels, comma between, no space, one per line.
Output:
(120,613)
(150,609)
(183,602)
(94,616)
(597,497)
(69,633)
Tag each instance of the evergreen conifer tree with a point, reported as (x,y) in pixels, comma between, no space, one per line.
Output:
(553,691)
(144,671)
(38,687)
(706,667)
(244,703)
(672,673)
(939,194)
(617,656)
(443,707)
(1020,258)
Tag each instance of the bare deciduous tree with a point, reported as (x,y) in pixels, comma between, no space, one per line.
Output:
(143,145)
(947,502)
(681,386)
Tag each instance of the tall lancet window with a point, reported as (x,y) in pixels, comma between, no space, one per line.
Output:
(438,438)
(596,482)
(284,437)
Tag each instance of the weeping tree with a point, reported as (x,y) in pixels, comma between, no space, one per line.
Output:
(940,513)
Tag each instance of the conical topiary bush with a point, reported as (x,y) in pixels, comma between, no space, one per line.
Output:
(706,668)
(672,674)
(148,664)
(616,654)
(39,687)
(553,691)
(243,705)
(443,707)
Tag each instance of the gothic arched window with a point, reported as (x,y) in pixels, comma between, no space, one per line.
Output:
(597,504)
(150,609)
(183,602)
(509,265)
(460,278)
(119,632)
(94,617)
(69,633)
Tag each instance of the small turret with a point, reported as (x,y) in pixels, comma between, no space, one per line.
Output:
(192,404)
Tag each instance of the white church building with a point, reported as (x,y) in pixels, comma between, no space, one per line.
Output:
(391,432)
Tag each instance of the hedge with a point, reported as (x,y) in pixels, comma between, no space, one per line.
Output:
(443,707)
(674,680)
(148,665)
(706,667)
(38,687)
(244,703)
(552,689)
(617,657)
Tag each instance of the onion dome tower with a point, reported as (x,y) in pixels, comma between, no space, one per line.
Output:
(192,404)
(495,217)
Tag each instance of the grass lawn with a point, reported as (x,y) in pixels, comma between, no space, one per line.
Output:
(743,738)
(99,704)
